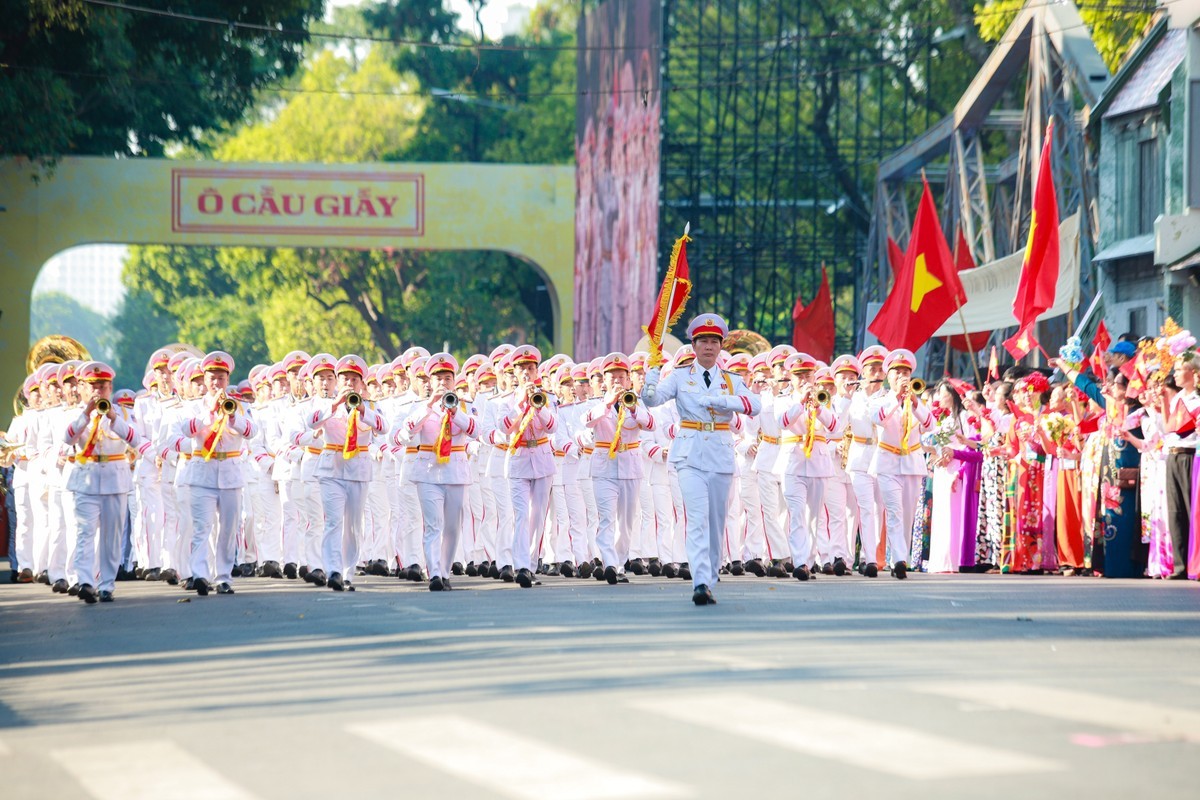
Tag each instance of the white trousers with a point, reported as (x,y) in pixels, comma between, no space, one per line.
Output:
(268,520)
(225,505)
(100,520)
(559,535)
(411,525)
(149,523)
(678,544)
(24,538)
(705,500)
(488,522)
(866,492)
(183,536)
(379,512)
(803,496)
(473,519)
(42,524)
(530,497)
(899,495)
(591,515)
(441,510)
(503,492)
(838,522)
(293,495)
(169,552)
(56,563)
(735,524)
(657,541)
(616,503)
(752,543)
(344,503)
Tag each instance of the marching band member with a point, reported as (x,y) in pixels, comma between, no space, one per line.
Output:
(529,462)
(343,471)
(440,427)
(861,455)
(585,399)
(841,505)
(705,399)
(498,441)
(101,482)
(566,499)
(616,470)
(22,435)
(900,416)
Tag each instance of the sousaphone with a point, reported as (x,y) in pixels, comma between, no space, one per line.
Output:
(52,349)
(743,341)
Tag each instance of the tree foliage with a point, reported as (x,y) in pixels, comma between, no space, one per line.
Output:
(1115,25)
(56,312)
(83,79)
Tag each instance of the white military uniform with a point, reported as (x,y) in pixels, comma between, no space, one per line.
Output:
(616,478)
(899,467)
(702,453)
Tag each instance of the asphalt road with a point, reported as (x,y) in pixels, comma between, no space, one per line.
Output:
(939,686)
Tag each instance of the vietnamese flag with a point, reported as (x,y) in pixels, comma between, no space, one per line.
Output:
(1021,343)
(895,256)
(813,329)
(1039,270)
(926,290)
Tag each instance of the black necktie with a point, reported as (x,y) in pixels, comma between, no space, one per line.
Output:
(707,380)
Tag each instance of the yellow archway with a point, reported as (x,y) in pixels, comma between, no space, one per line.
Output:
(528,211)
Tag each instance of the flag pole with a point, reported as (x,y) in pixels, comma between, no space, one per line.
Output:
(970,347)
(687,227)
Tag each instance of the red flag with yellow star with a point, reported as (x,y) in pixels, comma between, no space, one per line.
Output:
(926,290)
(1039,271)
(1021,343)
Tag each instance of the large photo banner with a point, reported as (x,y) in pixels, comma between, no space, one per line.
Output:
(617,167)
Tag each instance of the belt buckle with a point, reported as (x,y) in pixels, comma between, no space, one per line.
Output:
(707,427)
(531,443)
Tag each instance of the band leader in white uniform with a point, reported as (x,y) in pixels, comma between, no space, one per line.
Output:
(706,398)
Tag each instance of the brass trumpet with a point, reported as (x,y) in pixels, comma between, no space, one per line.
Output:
(538,399)
(228,405)
(353,400)
(916,386)
(103,405)
(822,397)
(629,399)
(450,400)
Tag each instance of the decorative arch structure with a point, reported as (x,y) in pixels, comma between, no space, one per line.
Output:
(528,211)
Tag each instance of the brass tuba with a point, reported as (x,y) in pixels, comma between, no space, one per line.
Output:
(744,341)
(55,349)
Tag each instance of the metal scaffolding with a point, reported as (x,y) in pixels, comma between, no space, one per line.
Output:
(773,125)
(982,155)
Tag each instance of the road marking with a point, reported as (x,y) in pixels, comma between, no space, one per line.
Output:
(863,743)
(4,749)
(736,663)
(1093,709)
(148,769)
(478,753)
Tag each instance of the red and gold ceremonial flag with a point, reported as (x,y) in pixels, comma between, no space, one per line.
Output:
(672,297)
(926,290)
(1039,270)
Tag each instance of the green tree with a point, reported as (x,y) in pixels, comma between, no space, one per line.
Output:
(56,312)
(1115,25)
(140,326)
(78,78)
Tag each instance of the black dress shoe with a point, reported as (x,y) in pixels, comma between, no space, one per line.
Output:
(724,570)
(839,567)
(801,573)
(74,590)
(317,577)
(685,572)
(471,570)
(25,576)
(654,568)
(446,584)
(224,588)
(457,568)
(189,585)
(553,570)
(598,573)
(494,571)
(270,569)
(567,569)
(289,571)
(507,575)
(171,577)
(201,586)
(703,597)
(43,577)
(87,593)
(414,573)
(106,596)
(585,569)
(60,586)
(637,567)
(737,568)
(814,571)
(670,570)
(827,569)
(435,584)
(610,575)
(303,572)
(524,578)
(900,571)
(336,583)
(152,575)
(237,571)
(755,567)
(126,575)
(871,570)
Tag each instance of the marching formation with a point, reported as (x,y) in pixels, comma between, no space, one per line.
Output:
(509,466)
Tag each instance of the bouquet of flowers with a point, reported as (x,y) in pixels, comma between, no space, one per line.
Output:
(1058,427)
